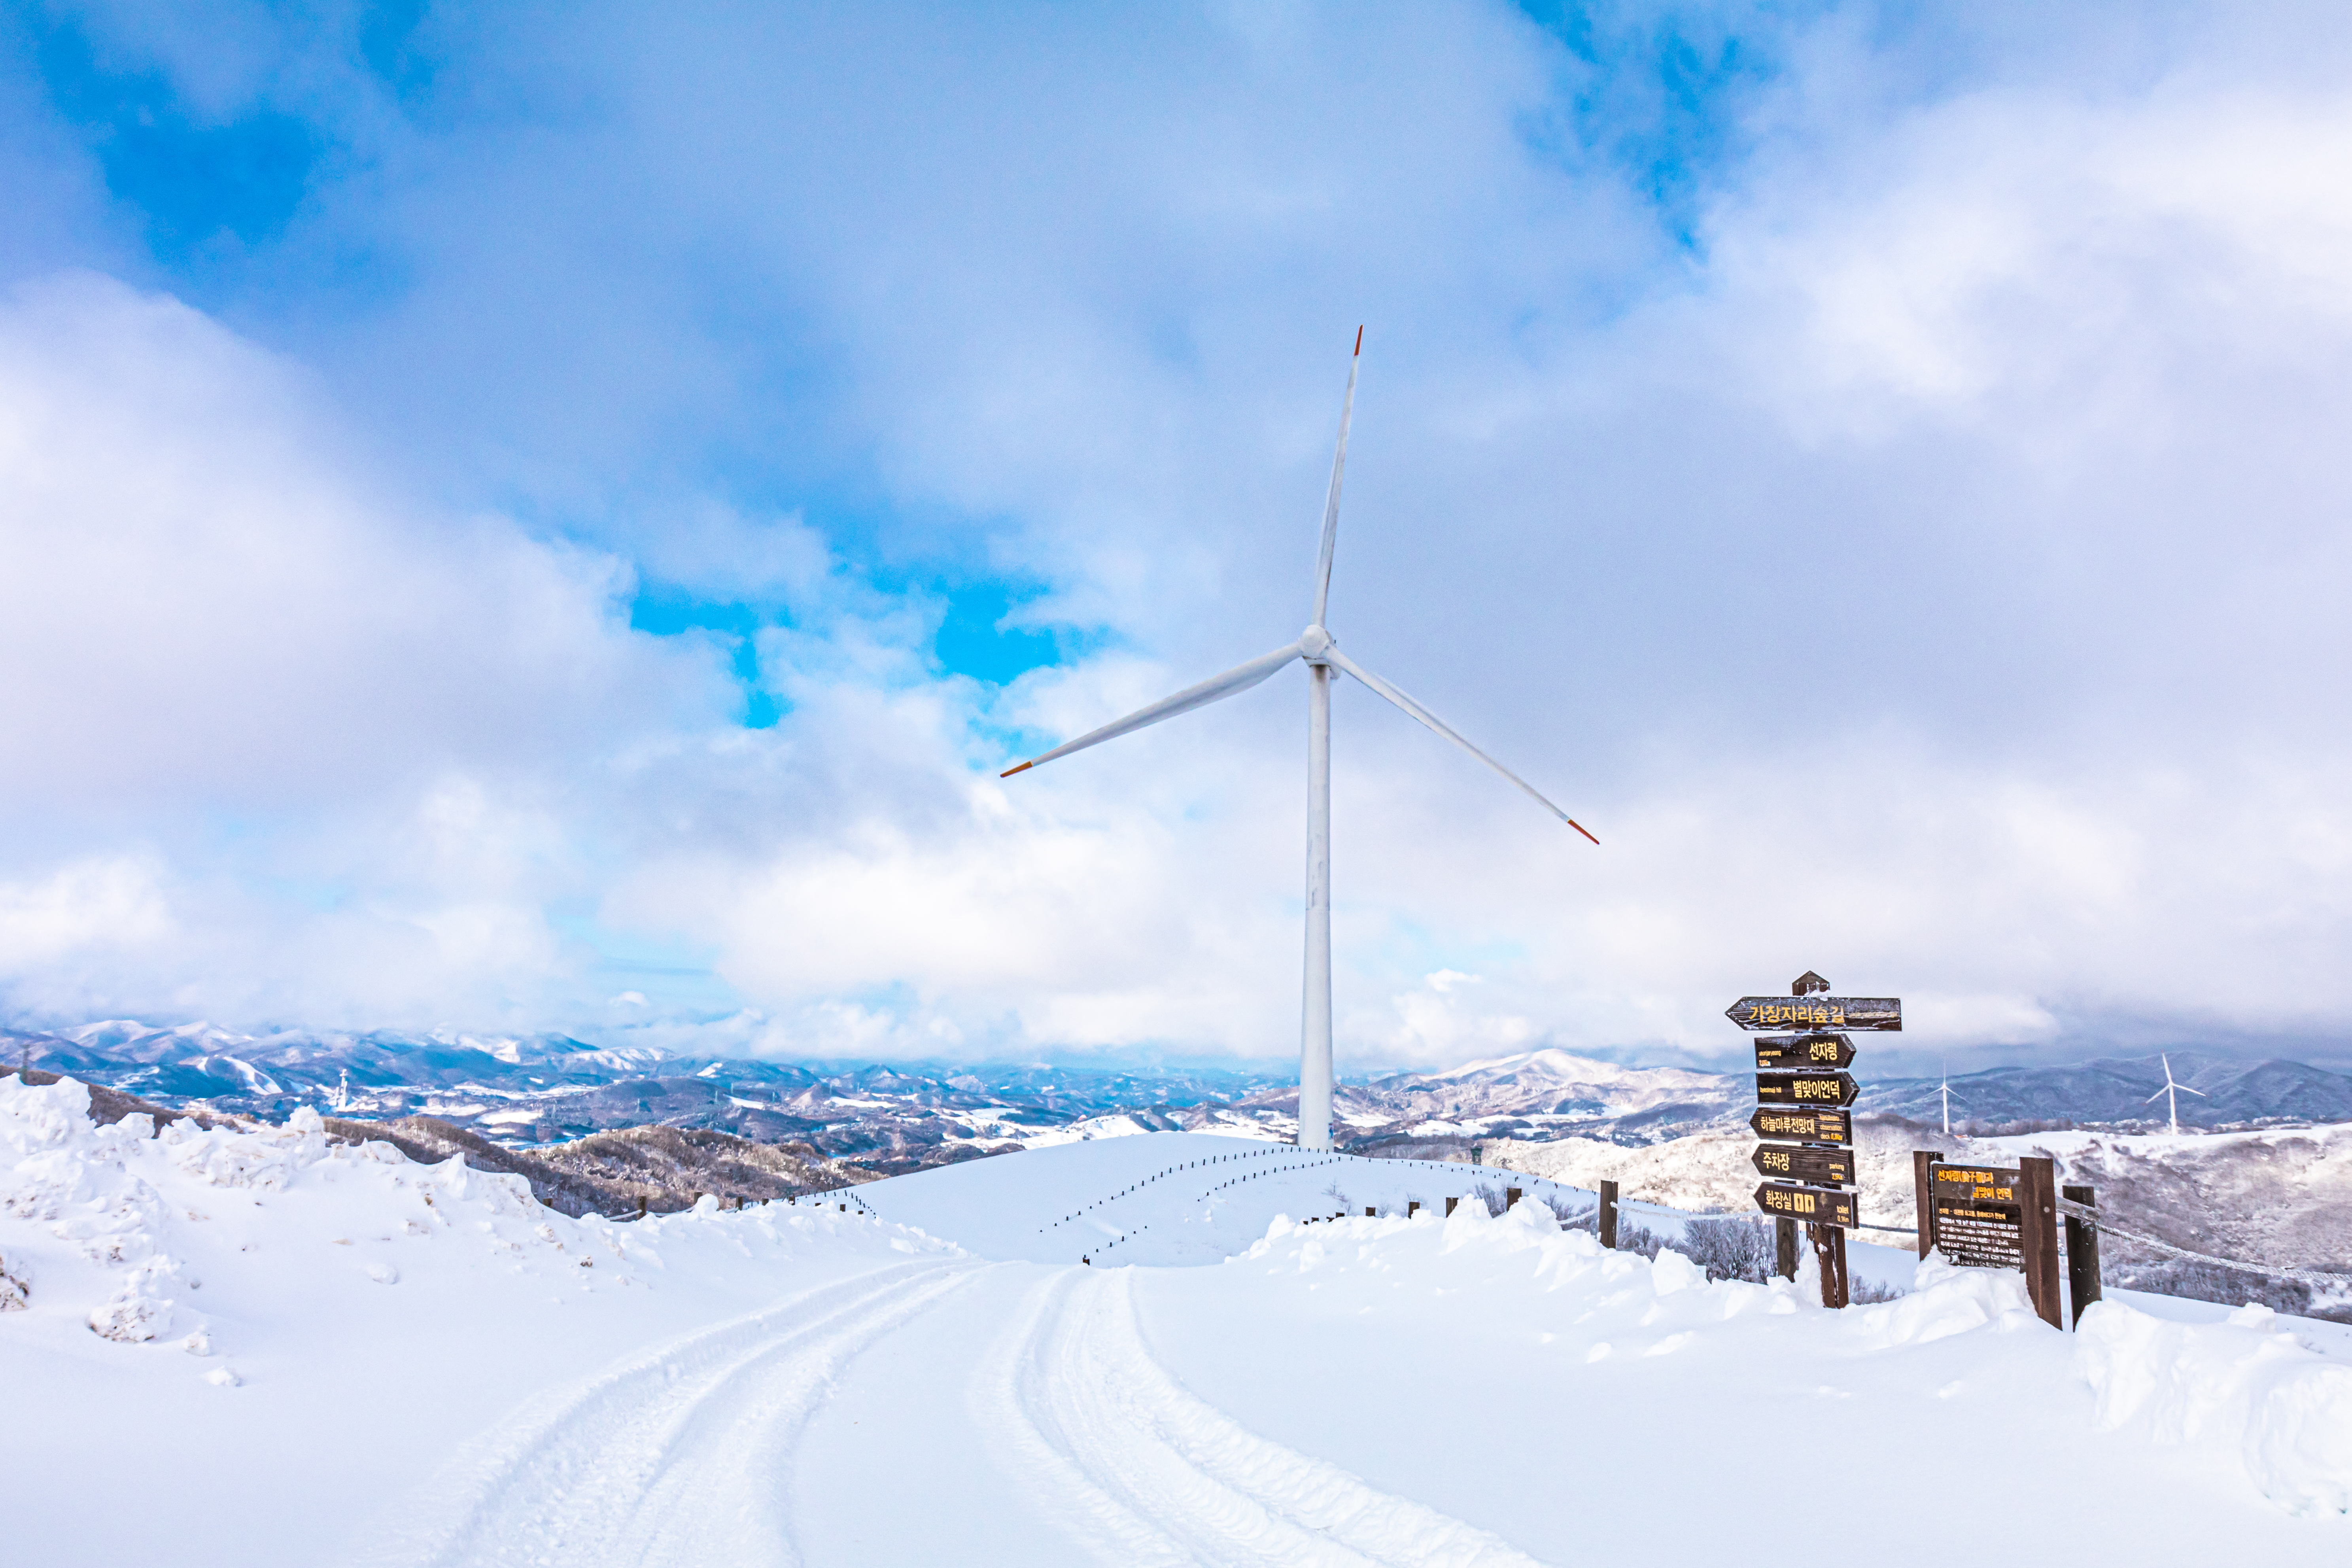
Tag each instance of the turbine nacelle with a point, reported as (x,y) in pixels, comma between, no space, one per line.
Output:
(1315,644)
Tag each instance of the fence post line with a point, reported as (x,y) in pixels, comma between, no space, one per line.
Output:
(2038,1201)
(1923,1194)
(2082,1254)
(1609,1215)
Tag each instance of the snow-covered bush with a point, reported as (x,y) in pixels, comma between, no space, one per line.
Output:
(1728,1248)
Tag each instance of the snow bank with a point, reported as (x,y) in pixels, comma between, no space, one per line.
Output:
(2246,1386)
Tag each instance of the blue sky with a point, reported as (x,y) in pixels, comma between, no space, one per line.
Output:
(511,500)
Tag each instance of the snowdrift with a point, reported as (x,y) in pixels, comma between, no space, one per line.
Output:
(396,1363)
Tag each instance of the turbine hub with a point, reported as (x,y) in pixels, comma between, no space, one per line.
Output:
(1314,643)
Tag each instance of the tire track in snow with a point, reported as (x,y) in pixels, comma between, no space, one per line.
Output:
(679,1455)
(1145,1472)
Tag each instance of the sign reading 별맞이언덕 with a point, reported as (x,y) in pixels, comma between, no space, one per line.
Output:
(1806,1088)
(1811,1204)
(1810,1125)
(1817,1012)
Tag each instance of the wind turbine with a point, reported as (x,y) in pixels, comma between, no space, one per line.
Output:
(2171,1092)
(1946,1092)
(1321,655)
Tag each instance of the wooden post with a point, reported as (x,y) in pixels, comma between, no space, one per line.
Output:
(2082,1254)
(2038,1200)
(1923,1194)
(1784,1246)
(1609,1215)
(1510,1196)
(1369,1211)
(1449,1207)
(1829,1247)
(641,1209)
(1413,1208)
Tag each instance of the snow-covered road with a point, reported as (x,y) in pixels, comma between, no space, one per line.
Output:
(327,1354)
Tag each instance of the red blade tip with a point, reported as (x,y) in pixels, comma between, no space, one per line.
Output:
(1024,767)
(1571,822)
(1360,342)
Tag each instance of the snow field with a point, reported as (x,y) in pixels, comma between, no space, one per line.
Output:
(426,1372)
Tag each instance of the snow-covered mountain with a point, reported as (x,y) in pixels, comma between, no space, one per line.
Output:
(392,1362)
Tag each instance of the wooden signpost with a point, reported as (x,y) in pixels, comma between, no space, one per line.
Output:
(1802,1093)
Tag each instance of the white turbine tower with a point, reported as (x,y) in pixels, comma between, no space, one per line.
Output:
(2171,1092)
(1946,1092)
(1321,655)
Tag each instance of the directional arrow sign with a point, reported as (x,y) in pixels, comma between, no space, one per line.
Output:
(1806,1088)
(1816,1013)
(1808,1203)
(1785,1052)
(1806,1126)
(1814,1167)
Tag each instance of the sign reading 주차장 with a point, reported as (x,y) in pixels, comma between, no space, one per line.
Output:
(1783,1053)
(1806,1088)
(1806,1126)
(1811,1204)
(1813,1167)
(1817,1012)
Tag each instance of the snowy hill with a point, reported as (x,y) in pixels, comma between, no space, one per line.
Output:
(400,1363)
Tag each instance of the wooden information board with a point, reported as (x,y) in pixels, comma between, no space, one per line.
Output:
(1980,1216)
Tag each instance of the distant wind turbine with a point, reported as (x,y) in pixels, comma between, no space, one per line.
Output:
(1946,1092)
(2171,1092)
(1321,656)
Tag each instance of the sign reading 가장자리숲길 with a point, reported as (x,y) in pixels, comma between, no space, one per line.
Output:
(1817,1013)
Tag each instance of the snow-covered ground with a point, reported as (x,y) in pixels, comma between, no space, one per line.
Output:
(329,1355)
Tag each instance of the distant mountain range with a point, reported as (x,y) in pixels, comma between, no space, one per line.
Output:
(533,1089)
(522,1091)
(2127,1091)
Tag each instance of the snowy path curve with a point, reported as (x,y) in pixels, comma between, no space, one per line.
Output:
(680,1455)
(1142,1471)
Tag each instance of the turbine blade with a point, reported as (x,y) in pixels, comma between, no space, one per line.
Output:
(1432,720)
(2186,1090)
(2160,1094)
(1332,502)
(1241,677)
